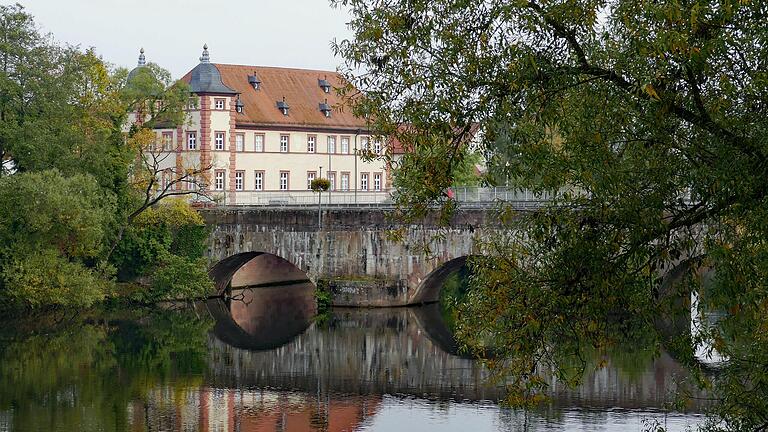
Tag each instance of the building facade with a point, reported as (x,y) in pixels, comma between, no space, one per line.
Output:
(262,134)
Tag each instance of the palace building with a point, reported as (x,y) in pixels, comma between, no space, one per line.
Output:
(267,132)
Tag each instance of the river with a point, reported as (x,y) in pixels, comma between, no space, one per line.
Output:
(264,362)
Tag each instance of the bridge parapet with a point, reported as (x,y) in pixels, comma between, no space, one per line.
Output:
(351,244)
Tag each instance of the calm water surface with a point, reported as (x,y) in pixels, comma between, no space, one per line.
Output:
(265,363)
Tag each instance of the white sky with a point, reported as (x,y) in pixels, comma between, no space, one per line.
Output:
(289,33)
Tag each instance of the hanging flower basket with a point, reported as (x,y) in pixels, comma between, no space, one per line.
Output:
(320,185)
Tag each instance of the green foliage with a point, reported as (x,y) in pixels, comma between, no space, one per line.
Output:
(45,277)
(465,172)
(650,121)
(178,278)
(46,208)
(323,296)
(52,230)
(453,294)
(71,182)
(59,106)
(166,244)
(320,185)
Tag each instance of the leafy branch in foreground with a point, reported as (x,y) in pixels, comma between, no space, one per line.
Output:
(648,118)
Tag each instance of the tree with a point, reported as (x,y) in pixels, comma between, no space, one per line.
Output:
(68,161)
(648,118)
(52,230)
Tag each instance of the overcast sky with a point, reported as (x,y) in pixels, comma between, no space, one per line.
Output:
(289,33)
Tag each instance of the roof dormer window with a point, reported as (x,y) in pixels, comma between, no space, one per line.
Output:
(324,84)
(239,106)
(283,106)
(325,108)
(254,81)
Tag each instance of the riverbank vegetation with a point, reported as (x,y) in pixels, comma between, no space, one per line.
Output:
(650,121)
(80,208)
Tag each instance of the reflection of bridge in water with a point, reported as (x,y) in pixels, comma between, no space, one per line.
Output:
(405,351)
(271,369)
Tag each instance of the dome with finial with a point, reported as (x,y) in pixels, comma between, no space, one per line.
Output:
(142,63)
(206,78)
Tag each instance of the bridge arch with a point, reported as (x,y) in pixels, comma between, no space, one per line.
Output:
(428,291)
(250,269)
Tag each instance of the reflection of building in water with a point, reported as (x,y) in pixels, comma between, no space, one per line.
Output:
(395,351)
(227,410)
(363,354)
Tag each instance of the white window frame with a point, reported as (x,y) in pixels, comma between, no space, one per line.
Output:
(285,180)
(364,143)
(311,143)
(311,175)
(345,145)
(220,180)
(219,139)
(216,102)
(259,146)
(167,143)
(258,180)
(239,142)
(331,144)
(191,140)
(332,179)
(285,143)
(377,182)
(377,146)
(239,180)
(345,181)
(364,181)
(191,183)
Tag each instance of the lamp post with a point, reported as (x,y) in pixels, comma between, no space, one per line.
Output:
(357,133)
(320,202)
(329,172)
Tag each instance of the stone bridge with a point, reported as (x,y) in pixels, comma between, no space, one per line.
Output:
(361,254)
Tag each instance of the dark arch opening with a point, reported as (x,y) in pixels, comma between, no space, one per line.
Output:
(266,301)
(253,269)
(429,289)
(432,315)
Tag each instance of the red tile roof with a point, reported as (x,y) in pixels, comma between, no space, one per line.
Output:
(301,91)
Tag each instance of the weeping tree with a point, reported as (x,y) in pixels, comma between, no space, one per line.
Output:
(649,121)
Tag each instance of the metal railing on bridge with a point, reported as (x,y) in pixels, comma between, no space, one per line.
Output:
(464,196)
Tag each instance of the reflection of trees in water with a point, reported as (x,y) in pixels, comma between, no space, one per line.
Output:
(95,363)
(167,369)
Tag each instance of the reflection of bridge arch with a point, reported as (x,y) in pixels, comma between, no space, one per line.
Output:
(263,318)
(428,290)
(248,269)
(430,319)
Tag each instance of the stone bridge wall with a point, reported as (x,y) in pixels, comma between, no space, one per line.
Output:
(355,249)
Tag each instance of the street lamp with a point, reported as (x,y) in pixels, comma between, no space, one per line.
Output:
(320,202)
(357,133)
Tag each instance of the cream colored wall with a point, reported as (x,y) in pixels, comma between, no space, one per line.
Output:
(166,159)
(298,162)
